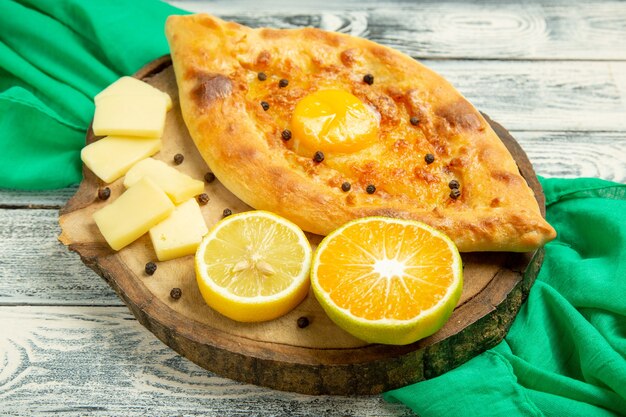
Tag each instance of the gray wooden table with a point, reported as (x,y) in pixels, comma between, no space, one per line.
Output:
(552,72)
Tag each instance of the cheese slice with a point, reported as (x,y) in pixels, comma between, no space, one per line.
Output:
(179,234)
(141,115)
(133,213)
(178,186)
(109,158)
(132,86)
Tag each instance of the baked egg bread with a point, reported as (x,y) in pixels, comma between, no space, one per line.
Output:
(323,128)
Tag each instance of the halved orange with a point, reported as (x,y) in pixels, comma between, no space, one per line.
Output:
(387,280)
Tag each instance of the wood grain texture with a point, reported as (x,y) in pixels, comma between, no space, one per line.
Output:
(562,30)
(577,154)
(99,361)
(35,199)
(35,268)
(543,96)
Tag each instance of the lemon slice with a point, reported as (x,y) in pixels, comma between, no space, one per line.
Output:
(253,266)
(387,280)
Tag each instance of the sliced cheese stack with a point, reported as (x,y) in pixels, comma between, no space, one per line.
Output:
(159,199)
(179,234)
(132,113)
(148,205)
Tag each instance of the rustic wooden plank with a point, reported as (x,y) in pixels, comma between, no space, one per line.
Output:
(576,154)
(540,95)
(35,199)
(35,268)
(99,361)
(451,29)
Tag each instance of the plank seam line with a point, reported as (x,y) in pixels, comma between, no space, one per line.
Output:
(30,206)
(513,59)
(582,131)
(22,304)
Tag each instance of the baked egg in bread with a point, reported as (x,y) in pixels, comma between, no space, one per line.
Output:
(323,128)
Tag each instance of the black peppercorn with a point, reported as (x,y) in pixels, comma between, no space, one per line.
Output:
(345,187)
(209,177)
(319,156)
(429,158)
(104,193)
(368,79)
(262,76)
(150,268)
(283,83)
(303,322)
(203,198)
(227,212)
(265,105)
(454,184)
(179,158)
(455,193)
(370,189)
(414,121)
(286,134)
(176,293)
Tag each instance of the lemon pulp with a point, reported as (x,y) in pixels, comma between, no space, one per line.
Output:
(253,266)
(387,280)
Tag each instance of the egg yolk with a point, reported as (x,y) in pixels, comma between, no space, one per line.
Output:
(332,121)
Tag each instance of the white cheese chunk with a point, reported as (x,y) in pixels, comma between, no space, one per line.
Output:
(138,115)
(109,158)
(179,234)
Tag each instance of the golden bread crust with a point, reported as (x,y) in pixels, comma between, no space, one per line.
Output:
(216,65)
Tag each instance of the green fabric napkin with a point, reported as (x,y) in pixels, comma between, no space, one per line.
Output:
(54,57)
(565,354)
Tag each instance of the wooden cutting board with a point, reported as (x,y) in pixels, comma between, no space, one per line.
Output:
(320,358)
